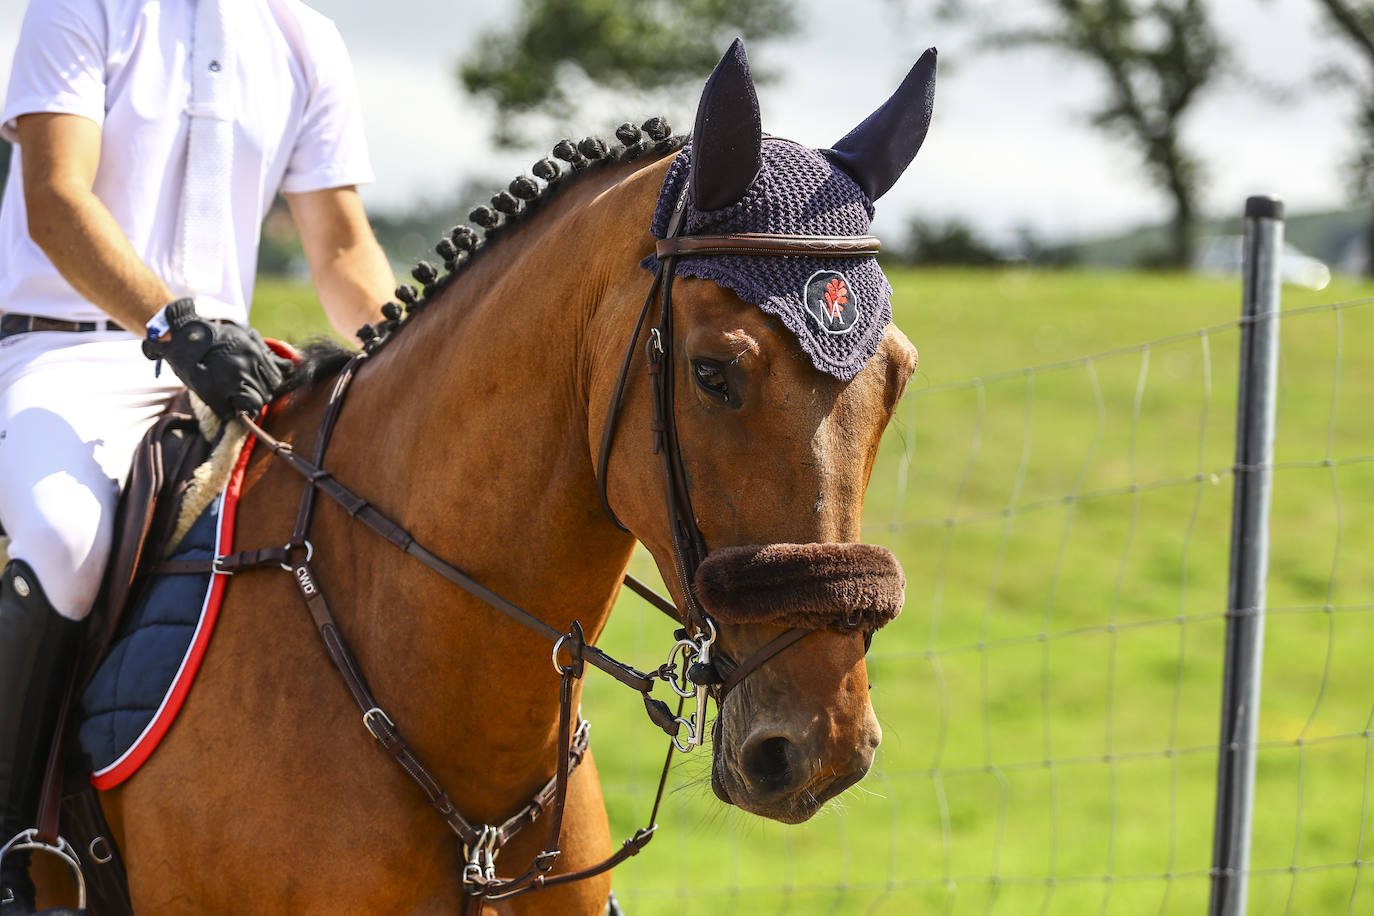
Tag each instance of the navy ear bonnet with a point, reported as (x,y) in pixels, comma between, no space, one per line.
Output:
(836,307)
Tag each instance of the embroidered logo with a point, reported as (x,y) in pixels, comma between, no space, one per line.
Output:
(305,582)
(831,301)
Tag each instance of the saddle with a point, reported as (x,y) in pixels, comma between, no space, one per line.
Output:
(148,514)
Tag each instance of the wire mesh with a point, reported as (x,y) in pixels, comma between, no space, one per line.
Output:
(1050,698)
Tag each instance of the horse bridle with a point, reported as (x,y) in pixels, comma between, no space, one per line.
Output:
(697,677)
(688,544)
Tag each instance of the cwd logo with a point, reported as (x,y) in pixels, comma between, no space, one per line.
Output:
(304,580)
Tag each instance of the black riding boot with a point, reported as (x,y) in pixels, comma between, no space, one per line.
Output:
(36,649)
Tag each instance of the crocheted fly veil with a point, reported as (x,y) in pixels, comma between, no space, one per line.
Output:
(736,180)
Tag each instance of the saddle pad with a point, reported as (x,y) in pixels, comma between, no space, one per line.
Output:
(139,688)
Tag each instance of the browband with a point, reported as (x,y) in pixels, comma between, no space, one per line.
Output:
(769,244)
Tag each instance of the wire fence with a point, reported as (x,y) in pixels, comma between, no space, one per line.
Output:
(1095,762)
(1051,696)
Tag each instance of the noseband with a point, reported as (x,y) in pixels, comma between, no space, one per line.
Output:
(689,547)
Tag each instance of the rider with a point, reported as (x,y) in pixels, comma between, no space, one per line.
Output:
(151,136)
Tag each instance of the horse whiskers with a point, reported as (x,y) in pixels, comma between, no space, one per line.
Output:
(860,787)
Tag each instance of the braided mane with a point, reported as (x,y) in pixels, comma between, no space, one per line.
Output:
(523,196)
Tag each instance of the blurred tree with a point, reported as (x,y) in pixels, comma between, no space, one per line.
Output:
(621,45)
(952,243)
(1155,57)
(1355,23)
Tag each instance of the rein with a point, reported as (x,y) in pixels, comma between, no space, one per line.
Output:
(697,679)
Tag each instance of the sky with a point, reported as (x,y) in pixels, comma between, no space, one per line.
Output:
(1009,145)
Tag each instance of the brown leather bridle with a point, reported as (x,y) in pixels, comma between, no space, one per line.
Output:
(697,677)
(689,546)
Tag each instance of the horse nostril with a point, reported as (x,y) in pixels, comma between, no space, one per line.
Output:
(767,764)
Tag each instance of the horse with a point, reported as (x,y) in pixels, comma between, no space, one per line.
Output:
(476,422)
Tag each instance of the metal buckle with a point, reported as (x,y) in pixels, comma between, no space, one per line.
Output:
(367,721)
(28,841)
(481,858)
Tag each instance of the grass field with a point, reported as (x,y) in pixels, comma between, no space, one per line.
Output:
(1050,695)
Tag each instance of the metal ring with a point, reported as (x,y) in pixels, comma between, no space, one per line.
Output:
(693,742)
(109,853)
(685,645)
(309,552)
(558,644)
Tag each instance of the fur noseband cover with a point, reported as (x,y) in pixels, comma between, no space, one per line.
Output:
(818,586)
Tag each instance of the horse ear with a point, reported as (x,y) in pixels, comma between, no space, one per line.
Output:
(877,151)
(726,142)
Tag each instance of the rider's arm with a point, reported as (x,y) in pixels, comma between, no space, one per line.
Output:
(349,269)
(60,153)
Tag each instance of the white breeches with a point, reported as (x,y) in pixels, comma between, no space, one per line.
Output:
(73,407)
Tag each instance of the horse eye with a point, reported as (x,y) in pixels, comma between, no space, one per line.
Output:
(710,376)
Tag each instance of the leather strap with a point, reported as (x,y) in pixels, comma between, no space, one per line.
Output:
(608,430)
(770,245)
(764,653)
(689,547)
(12,323)
(229,563)
(364,512)
(50,797)
(652,597)
(553,795)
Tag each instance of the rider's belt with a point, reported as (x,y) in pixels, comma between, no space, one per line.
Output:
(11,324)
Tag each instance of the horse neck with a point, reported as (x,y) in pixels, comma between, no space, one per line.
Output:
(471,429)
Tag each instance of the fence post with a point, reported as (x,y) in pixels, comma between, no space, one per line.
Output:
(1259,356)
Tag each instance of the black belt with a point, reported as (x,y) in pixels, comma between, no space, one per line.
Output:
(11,324)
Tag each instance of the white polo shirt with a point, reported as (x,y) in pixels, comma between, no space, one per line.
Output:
(125,64)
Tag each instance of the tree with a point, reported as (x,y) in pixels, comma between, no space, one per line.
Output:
(621,45)
(953,243)
(1155,57)
(1355,22)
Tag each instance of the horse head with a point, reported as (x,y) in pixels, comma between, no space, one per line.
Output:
(781,373)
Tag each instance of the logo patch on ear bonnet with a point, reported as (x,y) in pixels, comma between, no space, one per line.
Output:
(831,301)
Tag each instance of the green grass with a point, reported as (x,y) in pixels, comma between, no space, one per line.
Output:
(1050,695)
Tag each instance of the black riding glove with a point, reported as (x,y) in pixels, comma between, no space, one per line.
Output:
(228,367)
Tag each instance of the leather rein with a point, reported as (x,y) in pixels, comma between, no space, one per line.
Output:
(696,678)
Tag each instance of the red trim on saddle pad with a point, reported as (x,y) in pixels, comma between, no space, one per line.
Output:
(147,742)
(142,749)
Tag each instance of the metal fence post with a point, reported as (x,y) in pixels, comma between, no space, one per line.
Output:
(1259,356)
